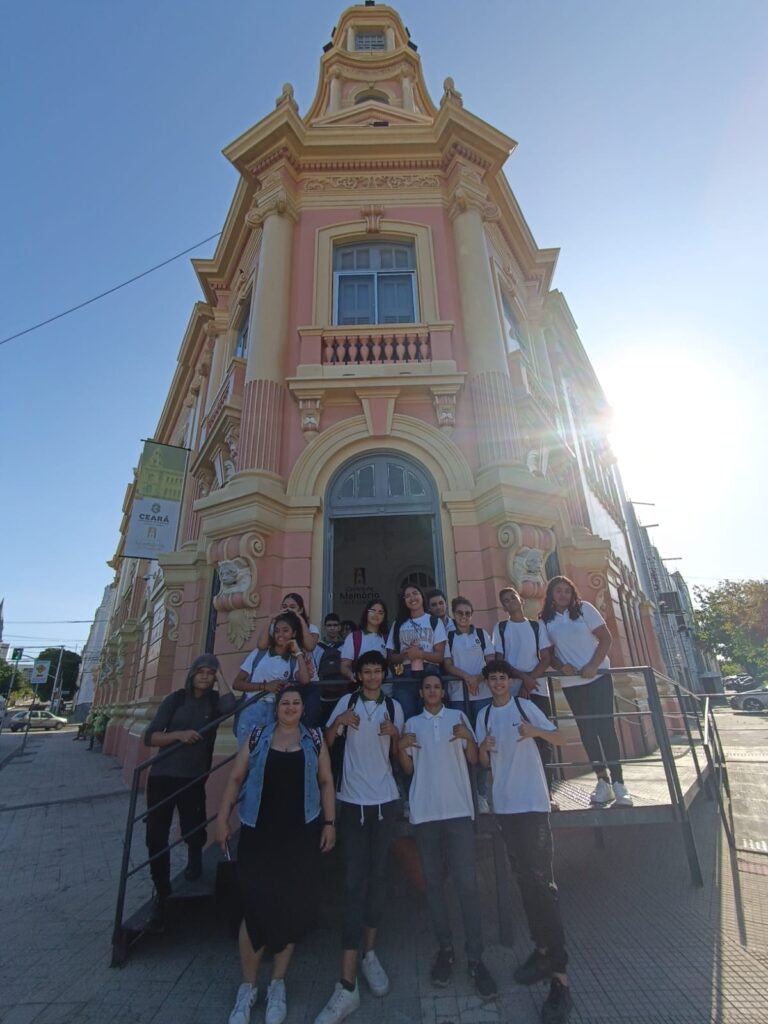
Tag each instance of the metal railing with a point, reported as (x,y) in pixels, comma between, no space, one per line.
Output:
(697,726)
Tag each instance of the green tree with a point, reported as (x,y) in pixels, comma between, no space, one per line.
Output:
(732,623)
(70,666)
(21,687)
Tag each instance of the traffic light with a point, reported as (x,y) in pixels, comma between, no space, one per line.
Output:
(16,653)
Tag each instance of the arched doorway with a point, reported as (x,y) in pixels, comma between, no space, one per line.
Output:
(382,528)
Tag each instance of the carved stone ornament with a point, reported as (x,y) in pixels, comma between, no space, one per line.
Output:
(309,410)
(451,94)
(445,411)
(172,624)
(528,547)
(286,97)
(599,584)
(369,182)
(372,216)
(235,559)
(205,481)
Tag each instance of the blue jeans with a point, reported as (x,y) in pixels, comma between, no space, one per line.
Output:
(454,841)
(405,690)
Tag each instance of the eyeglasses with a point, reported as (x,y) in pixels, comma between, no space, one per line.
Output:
(461,613)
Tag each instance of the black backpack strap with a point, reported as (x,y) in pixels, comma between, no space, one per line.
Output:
(487,716)
(451,638)
(433,621)
(523,715)
(390,708)
(502,630)
(535,627)
(481,638)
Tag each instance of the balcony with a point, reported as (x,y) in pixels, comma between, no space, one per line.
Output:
(376,350)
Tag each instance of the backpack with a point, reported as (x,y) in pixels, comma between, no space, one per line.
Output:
(480,636)
(357,642)
(487,714)
(533,623)
(433,621)
(340,743)
(251,698)
(329,666)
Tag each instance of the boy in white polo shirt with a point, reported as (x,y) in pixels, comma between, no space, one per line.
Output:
(368,723)
(506,732)
(435,748)
(518,641)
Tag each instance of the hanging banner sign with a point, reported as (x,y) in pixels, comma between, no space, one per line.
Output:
(154,519)
(40,671)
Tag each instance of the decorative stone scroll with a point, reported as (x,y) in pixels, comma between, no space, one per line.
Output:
(445,411)
(372,216)
(310,409)
(528,548)
(362,182)
(599,584)
(235,559)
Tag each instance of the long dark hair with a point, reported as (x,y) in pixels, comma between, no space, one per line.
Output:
(384,627)
(294,622)
(300,602)
(549,611)
(403,614)
(290,688)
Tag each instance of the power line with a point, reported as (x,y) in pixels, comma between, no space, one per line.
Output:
(109,291)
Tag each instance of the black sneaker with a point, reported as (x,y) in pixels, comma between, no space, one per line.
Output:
(536,968)
(485,986)
(194,866)
(156,921)
(557,1005)
(442,968)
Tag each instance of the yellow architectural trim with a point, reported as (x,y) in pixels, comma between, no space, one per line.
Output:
(355,231)
(314,468)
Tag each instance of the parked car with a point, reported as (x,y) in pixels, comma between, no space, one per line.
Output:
(40,720)
(751,700)
(740,683)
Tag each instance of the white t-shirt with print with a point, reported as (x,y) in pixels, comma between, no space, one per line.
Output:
(271,667)
(574,641)
(440,788)
(309,656)
(467,654)
(518,647)
(367,773)
(419,632)
(519,783)
(369,642)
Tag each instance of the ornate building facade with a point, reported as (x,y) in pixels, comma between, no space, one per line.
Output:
(380,385)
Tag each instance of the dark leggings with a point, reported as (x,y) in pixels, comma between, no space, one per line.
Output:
(528,839)
(365,833)
(598,735)
(191,805)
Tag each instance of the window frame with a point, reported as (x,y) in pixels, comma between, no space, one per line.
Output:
(375,273)
(243,330)
(378,34)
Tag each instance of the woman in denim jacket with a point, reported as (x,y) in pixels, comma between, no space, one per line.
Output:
(287,817)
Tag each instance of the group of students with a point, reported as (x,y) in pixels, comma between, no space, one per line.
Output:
(297,785)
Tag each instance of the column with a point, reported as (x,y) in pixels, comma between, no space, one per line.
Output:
(408,100)
(490,383)
(334,86)
(264,389)
(216,332)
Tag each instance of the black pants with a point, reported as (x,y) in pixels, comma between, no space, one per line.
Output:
(598,735)
(365,834)
(546,750)
(191,807)
(528,839)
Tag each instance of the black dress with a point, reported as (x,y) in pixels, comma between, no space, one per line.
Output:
(278,858)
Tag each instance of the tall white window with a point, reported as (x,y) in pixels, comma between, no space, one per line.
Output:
(241,344)
(375,283)
(513,333)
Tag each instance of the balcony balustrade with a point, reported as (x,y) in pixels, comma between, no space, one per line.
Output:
(376,349)
(229,396)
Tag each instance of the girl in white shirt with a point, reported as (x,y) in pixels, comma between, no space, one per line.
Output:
(310,635)
(371,635)
(415,642)
(581,640)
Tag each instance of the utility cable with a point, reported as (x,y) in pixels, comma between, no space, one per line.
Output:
(109,291)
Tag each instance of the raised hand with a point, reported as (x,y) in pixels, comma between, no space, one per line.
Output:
(409,741)
(461,732)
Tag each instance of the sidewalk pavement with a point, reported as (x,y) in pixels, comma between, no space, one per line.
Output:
(646,946)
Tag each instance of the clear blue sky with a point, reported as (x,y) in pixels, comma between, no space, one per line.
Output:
(642,155)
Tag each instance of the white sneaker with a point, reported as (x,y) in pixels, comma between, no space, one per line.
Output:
(374,974)
(339,1006)
(602,793)
(277,1009)
(623,796)
(246,997)
(483,807)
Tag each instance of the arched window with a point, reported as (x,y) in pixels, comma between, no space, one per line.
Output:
(375,283)
(371,95)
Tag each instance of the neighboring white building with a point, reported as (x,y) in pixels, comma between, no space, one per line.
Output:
(92,652)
